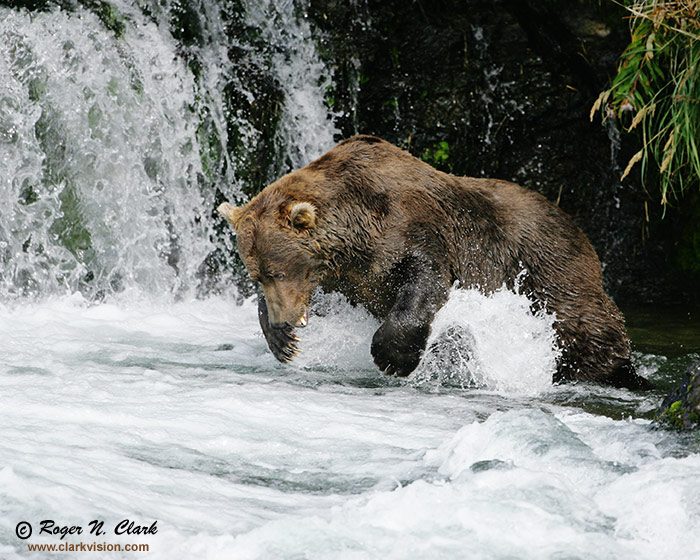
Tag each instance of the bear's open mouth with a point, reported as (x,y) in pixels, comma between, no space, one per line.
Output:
(304,319)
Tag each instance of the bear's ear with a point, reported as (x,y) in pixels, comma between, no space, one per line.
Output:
(231,213)
(302,215)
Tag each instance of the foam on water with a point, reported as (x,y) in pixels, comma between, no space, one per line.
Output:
(179,413)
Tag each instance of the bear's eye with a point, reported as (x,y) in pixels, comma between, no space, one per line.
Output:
(279,276)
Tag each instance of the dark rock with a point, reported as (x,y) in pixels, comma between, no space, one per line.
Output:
(681,408)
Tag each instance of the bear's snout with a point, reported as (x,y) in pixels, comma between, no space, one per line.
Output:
(285,306)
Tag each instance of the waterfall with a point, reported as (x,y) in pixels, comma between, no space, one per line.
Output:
(306,129)
(117,135)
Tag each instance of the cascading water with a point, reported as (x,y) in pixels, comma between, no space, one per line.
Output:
(100,158)
(127,397)
(103,183)
(306,128)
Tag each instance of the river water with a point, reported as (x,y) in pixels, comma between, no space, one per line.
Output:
(127,393)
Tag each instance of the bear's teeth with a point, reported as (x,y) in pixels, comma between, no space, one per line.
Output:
(303,320)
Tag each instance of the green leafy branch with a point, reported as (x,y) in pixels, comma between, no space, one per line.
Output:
(658,83)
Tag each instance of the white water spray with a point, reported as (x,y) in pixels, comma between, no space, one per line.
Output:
(100,158)
(306,129)
(490,341)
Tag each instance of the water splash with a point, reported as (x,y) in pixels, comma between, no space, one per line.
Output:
(338,336)
(490,341)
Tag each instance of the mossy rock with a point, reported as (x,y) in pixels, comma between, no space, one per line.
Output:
(681,408)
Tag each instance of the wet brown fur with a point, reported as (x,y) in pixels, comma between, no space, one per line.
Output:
(381,214)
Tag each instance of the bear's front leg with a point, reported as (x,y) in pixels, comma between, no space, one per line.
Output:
(398,344)
(397,349)
(281,340)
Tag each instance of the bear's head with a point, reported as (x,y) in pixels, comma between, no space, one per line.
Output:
(276,240)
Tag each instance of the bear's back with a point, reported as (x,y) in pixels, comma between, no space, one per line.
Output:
(491,229)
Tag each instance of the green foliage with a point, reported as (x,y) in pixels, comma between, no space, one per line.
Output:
(329,98)
(658,84)
(679,415)
(438,155)
(680,408)
(673,415)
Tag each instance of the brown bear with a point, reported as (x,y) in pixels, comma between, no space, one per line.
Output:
(394,234)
